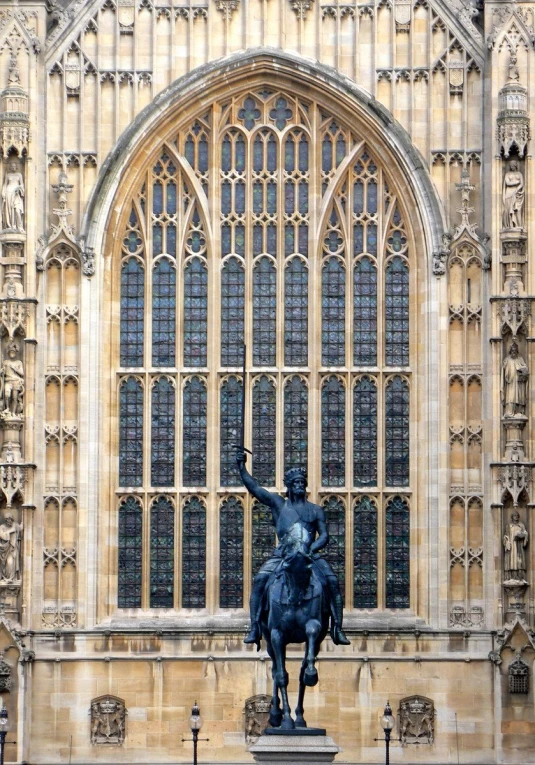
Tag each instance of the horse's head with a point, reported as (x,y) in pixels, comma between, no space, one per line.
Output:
(297,561)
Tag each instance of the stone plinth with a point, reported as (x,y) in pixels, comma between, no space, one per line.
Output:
(297,747)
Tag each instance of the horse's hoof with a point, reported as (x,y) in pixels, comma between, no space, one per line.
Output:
(275,721)
(287,723)
(311,677)
(300,722)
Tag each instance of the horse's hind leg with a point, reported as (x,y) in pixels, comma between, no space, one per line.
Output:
(275,712)
(300,721)
(281,678)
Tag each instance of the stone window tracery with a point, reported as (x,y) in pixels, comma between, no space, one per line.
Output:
(266,220)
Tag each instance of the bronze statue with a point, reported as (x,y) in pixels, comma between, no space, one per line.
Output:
(296,593)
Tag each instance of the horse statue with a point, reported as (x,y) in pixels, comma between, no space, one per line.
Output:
(295,594)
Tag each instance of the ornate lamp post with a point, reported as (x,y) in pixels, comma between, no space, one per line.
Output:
(5,726)
(387,724)
(195,723)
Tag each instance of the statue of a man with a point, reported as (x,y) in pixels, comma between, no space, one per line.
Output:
(515,540)
(10,534)
(513,197)
(12,199)
(286,513)
(515,375)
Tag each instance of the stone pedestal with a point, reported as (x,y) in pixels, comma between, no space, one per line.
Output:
(294,747)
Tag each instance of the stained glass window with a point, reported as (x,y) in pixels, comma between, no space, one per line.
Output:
(230,429)
(264,312)
(263,536)
(365,313)
(295,423)
(130,554)
(397,528)
(131,432)
(232,312)
(231,554)
(194,433)
(195,313)
(193,554)
(296,313)
(335,552)
(163,314)
(333,312)
(333,432)
(364,432)
(132,313)
(365,554)
(264,430)
(163,433)
(397,313)
(397,401)
(162,542)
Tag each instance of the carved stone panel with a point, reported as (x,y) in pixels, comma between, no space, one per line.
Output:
(256,717)
(416,720)
(108,716)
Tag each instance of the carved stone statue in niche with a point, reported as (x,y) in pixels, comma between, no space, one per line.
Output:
(10,544)
(108,716)
(417,720)
(12,382)
(513,197)
(13,199)
(515,375)
(515,541)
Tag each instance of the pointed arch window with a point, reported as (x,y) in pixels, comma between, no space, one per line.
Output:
(130,553)
(307,259)
(162,543)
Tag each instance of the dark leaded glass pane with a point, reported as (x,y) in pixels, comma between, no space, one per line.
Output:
(333,448)
(129,554)
(397,524)
(162,453)
(264,429)
(364,433)
(335,552)
(163,314)
(132,313)
(333,337)
(231,554)
(397,313)
(295,423)
(230,422)
(232,312)
(365,554)
(131,433)
(263,536)
(264,312)
(193,554)
(296,314)
(365,313)
(397,401)
(194,433)
(195,313)
(162,542)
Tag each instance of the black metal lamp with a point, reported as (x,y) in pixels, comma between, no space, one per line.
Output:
(5,726)
(195,724)
(387,724)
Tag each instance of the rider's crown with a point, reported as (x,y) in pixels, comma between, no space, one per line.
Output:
(293,473)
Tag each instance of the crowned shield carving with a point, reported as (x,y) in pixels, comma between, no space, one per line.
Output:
(417,720)
(256,716)
(108,716)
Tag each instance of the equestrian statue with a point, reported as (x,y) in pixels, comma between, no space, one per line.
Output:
(295,594)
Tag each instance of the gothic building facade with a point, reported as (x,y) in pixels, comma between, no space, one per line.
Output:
(346,189)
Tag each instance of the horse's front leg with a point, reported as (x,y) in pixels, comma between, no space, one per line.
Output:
(312,630)
(300,721)
(275,713)
(281,677)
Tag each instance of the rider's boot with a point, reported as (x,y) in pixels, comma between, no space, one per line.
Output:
(255,604)
(337,633)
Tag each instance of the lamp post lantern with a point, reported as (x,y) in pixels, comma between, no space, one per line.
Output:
(5,725)
(195,724)
(387,724)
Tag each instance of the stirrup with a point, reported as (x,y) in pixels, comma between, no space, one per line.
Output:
(338,635)
(254,635)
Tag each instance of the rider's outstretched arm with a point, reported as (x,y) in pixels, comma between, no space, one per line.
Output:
(262,495)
